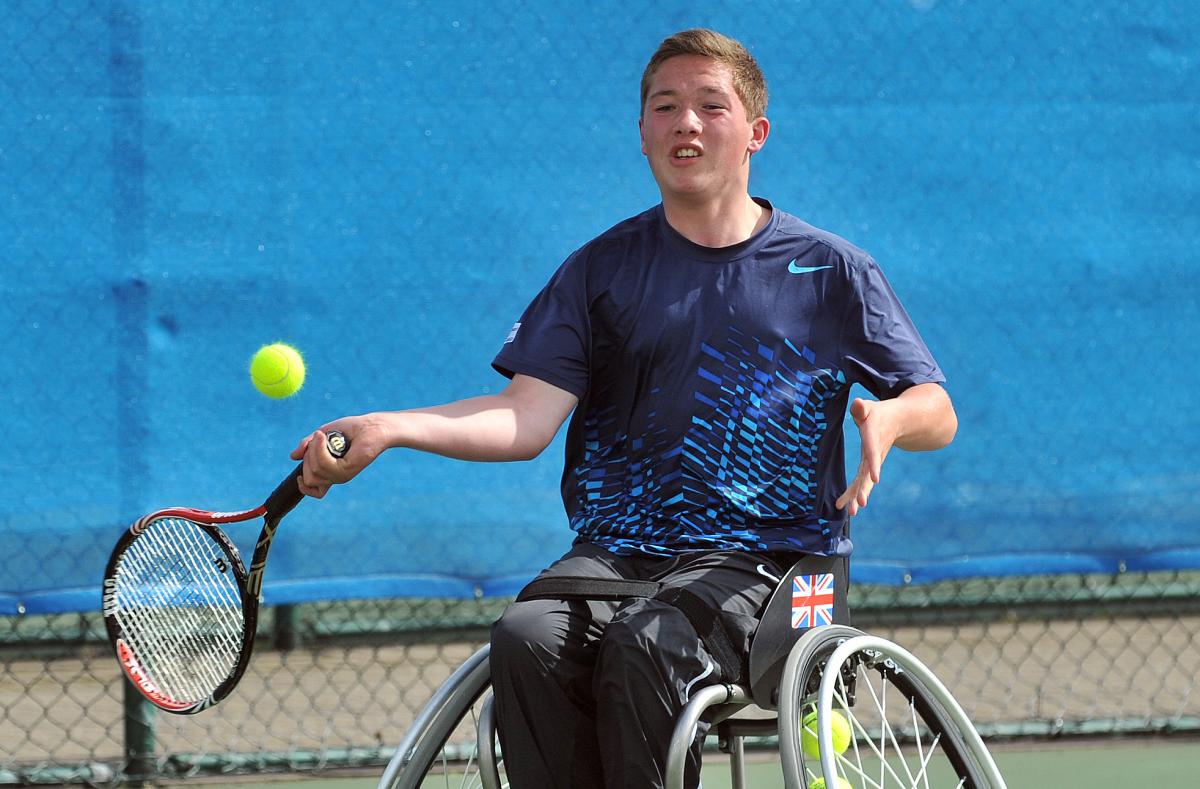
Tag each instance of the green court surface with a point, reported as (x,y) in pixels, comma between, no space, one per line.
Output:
(1135,762)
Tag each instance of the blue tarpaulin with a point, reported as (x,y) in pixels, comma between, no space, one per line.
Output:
(387,190)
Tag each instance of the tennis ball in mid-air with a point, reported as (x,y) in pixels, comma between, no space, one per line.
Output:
(841,783)
(843,735)
(277,370)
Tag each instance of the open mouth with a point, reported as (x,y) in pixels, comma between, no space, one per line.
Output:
(686,153)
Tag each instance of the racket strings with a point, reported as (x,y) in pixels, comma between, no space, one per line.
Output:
(179,627)
(184,616)
(179,606)
(182,636)
(170,642)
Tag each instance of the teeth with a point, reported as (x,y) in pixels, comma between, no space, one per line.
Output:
(686,153)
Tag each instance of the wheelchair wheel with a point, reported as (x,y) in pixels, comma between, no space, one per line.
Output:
(907,729)
(451,743)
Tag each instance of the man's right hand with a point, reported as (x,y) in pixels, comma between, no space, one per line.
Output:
(322,470)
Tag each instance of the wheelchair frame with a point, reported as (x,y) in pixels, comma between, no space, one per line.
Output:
(823,669)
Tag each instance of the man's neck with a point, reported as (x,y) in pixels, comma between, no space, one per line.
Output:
(715,224)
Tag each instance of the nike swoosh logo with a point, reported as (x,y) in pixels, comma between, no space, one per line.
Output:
(762,570)
(794,269)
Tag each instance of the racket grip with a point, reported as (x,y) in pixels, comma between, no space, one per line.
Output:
(287,494)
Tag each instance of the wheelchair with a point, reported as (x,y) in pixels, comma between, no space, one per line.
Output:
(898,725)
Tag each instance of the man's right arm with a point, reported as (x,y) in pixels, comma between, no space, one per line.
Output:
(515,424)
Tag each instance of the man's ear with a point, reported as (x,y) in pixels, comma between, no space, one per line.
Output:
(642,135)
(760,128)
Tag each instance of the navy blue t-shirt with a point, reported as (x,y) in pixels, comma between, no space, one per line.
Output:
(713,383)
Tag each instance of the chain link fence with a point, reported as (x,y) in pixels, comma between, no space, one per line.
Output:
(387,185)
(335,685)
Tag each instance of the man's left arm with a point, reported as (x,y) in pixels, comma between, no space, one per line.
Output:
(921,418)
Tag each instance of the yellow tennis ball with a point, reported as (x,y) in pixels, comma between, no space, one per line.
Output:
(277,370)
(843,735)
(841,782)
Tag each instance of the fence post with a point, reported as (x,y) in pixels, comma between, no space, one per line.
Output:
(286,634)
(125,71)
(139,769)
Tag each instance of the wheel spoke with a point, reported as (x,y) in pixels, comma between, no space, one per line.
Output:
(841,696)
(879,750)
(902,714)
(924,759)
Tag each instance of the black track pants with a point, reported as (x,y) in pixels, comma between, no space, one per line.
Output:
(587,692)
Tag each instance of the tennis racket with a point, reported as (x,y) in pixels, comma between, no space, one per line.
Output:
(180,608)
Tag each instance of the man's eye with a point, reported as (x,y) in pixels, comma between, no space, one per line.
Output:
(664,108)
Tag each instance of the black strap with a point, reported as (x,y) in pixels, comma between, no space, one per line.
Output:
(569,586)
(708,625)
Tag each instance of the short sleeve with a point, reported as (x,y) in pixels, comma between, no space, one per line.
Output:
(551,341)
(880,347)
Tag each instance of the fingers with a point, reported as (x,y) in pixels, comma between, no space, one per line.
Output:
(852,501)
(315,475)
(872,456)
(858,493)
(317,492)
(321,470)
(856,410)
(873,463)
(864,493)
(298,452)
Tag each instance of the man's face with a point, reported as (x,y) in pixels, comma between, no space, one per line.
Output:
(695,132)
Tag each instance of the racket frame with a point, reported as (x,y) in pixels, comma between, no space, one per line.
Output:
(249,584)
(206,522)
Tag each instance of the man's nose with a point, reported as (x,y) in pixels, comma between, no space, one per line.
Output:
(687,122)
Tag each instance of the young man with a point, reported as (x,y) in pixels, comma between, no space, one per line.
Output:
(706,348)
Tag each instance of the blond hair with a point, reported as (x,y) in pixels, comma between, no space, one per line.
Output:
(748,78)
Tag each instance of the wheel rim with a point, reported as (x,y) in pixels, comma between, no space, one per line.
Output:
(908,731)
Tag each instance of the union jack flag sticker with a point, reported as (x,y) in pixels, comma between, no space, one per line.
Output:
(812,600)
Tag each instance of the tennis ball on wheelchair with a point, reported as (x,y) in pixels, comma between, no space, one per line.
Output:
(840,783)
(277,370)
(843,735)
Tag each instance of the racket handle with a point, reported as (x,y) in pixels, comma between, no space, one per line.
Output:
(287,494)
